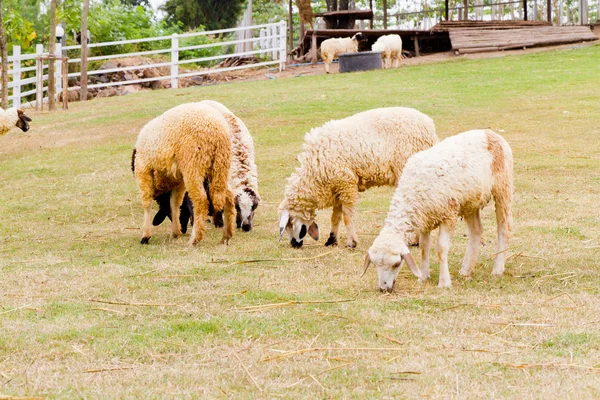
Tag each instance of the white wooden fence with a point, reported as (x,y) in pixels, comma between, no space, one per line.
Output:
(267,42)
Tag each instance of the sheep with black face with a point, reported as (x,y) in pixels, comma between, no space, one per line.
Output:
(13,117)
(345,157)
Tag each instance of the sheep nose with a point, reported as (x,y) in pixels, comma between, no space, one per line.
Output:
(385,288)
(246,227)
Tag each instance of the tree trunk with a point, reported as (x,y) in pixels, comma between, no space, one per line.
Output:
(51,51)
(332,5)
(4,53)
(84,51)
(343,5)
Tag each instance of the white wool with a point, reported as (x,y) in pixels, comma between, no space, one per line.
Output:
(455,178)
(391,48)
(347,156)
(332,48)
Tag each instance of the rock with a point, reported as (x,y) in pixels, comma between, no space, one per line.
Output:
(108,92)
(128,89)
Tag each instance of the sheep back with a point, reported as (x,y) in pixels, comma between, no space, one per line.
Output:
(189,140)
(365,150)
(453,178)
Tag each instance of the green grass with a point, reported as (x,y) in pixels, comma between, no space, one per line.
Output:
(186,326)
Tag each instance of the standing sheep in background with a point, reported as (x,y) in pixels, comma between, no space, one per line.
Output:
(243,178)
(455,178)
(345,157)
(177,151)
(13,117)
(391,49)
(332,48)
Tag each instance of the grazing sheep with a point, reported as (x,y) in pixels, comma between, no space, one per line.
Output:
(13,117)
(243,176)
(332,48)
(175,152)
(455,178)
(391,49)
(345,157)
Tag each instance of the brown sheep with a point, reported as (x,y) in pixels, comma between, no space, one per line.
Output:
(175,152)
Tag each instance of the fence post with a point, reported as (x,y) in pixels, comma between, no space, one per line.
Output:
(174,60)
(16,69)
(58,73)
(263,41)
(282,44)
(39,77)
(274,42)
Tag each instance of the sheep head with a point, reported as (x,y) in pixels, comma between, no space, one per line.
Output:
(245,205)
(359,37)
(297,228)
(23,121)
(387,253)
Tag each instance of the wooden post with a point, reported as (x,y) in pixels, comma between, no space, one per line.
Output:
(313,48)
(416,42)
(16,68)
(4,55)
(466,14)
(371,8)
(524,10)
(84,51)
(549,11)
(385,14)
(446,9)
(51,51)
(291,28)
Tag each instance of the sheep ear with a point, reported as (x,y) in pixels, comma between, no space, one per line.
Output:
(313,231)
(284,218)
(410,261)
(366,265)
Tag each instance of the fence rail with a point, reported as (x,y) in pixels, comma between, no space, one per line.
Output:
(266,41)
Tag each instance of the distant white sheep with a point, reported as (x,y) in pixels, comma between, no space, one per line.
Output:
(391,49)
(13,117)
(332,48)
(455,178)
(345,157)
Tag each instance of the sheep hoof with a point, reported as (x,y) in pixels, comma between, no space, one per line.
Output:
(176,235)
(464,271)
(445,284)
(225,241)
(351,245)
(145,240)
(332,240)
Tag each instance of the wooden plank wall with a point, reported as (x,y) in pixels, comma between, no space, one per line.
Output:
(481,40)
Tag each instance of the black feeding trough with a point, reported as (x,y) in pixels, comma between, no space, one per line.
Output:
(361,61)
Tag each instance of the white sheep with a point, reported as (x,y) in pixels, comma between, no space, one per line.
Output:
(332,48)
(345,157)
(243,177)
(391,49)
(455,178)
(177,151)
(13,117)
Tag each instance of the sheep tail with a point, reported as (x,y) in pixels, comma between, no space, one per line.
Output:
(133,160)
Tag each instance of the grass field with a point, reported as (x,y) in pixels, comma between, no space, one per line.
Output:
(87,312)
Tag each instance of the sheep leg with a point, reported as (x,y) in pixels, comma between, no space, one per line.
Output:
(446,232)
(474,246)
(229,214)
(200,202)
(176,200)
(424,244)
(146,185)
(504,221)
(326,66)
(336,218)
(348,212)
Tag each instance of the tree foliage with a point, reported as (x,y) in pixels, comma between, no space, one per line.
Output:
(212,14)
